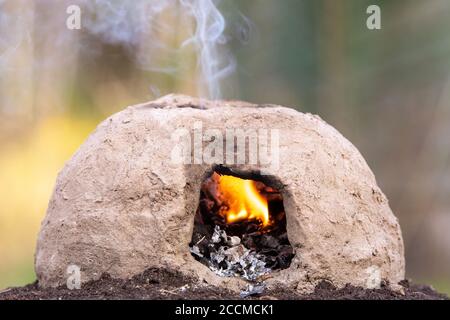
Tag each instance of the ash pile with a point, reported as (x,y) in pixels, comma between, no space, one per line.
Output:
(245,248)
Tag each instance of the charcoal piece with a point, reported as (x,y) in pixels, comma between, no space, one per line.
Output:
(253,226)
(249,242)
(283,238)
(210,190)
(272,197)
(269,252)
(268,189)
(285,256)
(271,262)
(269,241)
(200,231)
(206,205)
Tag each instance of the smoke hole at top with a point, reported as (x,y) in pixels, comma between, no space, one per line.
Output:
(240,228)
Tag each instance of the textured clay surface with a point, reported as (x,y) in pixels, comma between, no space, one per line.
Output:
(121,205)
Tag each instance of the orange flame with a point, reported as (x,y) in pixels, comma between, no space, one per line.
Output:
(243,200)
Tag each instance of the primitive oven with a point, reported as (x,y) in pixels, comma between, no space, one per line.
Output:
(120,205)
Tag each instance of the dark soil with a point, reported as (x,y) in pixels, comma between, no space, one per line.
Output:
(164,284)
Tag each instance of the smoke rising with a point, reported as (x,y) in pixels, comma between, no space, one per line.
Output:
(154,32)
(215,61)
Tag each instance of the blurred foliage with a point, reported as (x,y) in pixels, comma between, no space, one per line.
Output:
(28,168)
(387,91)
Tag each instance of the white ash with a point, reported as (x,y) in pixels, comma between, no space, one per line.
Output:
(184,288)
(218,235)
(253,290)
(233,241)
(195,250)
(228,257)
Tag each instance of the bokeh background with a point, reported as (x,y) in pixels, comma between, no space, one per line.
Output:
(388,91)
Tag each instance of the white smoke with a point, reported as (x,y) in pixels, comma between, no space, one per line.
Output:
(129,23)
(154,31)
(214,58)
(140,22)
(12,34)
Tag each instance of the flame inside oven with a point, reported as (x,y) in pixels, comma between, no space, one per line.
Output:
(241,200)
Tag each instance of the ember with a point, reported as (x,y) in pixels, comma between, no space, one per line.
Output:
(240,228)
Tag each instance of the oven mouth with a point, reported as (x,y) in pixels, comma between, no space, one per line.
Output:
(240,225)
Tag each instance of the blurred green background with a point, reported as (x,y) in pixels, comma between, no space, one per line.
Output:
(387,91)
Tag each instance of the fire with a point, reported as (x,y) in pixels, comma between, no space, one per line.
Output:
(243,200)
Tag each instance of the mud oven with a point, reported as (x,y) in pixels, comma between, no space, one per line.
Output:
(131,199)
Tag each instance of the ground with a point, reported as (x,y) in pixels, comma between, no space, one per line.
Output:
(166,284)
